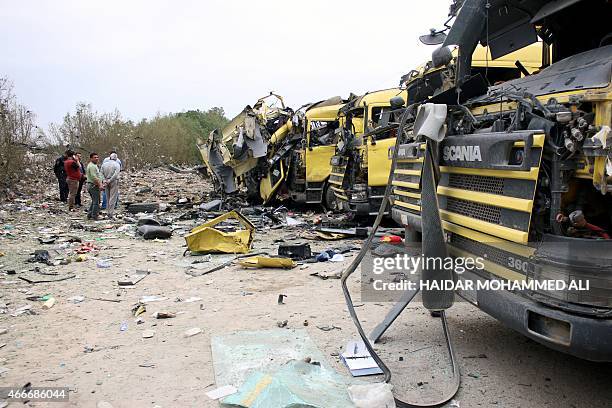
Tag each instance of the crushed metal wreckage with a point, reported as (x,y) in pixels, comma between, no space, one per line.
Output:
(270,150)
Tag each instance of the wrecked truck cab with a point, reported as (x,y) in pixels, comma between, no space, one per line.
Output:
(236,155)
(307,165)
(525,173)
(362,162)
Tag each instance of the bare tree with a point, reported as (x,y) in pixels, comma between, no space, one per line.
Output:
(17,134)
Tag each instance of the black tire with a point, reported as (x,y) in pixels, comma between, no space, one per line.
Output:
(329,199)
(143,208)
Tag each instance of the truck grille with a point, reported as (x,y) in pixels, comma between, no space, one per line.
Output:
(471,209)
(483,184)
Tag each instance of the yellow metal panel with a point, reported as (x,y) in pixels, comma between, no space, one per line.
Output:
(324,113)
(318,163)
(538,141)
(511,203)
(511,174)
(266,189)
(495,242)
(415,160)
(487,227)
(405,184)
(408,172)
(406,193)
(381,97)
(281,133)
(379,164)
(358,128)
(530,56)
(205,238)
(407,205)
(341,196)
(491,267)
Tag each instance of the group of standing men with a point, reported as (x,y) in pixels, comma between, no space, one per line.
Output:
(72,175)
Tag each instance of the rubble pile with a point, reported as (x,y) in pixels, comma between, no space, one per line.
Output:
(53,260)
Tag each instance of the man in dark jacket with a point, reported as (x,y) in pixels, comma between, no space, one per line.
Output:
(60,173)
(77,201)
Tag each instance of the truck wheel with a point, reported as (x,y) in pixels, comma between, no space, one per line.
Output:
(329,199)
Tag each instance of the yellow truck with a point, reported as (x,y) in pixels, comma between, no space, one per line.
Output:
(362,162)
(236,156)
(270,151)
(524,172)
(309,167)
(355,154)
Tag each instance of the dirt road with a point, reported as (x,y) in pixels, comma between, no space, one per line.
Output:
(82,345)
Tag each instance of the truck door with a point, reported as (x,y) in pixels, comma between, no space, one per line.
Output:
(379,164)
(320,149)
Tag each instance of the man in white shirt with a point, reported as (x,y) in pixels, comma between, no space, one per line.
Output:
(104,197)
(110,171)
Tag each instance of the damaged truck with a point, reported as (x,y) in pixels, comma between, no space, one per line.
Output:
(513,178)
(521,171)
(236,156)
(361,164)
(271,151)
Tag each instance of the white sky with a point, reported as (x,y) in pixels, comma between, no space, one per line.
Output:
(150,56)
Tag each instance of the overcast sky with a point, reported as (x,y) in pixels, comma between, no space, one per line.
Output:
(150,56)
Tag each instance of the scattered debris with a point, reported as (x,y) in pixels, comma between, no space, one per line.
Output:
(215,268)
(296,383)
(267,262)
(27,309)
(143,208)
(211,205)
(192,332)
(104,263)
(147,334)
(48,303)
(134,279)
(41,256)
(148,221)
(295,252)
(154,232)
(358,360)
(328,327)
(206,238)
(151,298)
(164,315)
(192,299)
(292,222)
(46,280)
(221,392)
(138,309)
(326,275)
(372,395)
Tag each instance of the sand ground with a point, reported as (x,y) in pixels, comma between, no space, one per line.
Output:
(81,345)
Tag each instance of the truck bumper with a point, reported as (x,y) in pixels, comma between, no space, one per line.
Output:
(586,337)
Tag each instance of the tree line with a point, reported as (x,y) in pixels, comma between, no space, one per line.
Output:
(163,139)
